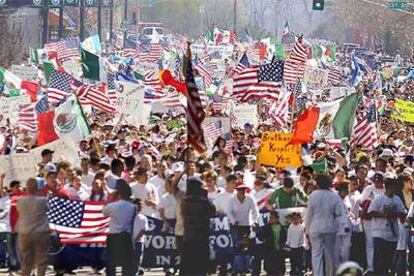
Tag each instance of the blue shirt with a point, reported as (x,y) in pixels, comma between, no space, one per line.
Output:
(121,214)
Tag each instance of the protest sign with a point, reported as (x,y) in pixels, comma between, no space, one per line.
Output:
(130,103)
(9,108)
(25,72)
(338,92)
(315,77)
(246,113)
(72,67)
(276,152)
(21,166)
(404,111)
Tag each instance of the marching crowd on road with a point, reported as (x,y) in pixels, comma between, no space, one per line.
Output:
(348,209)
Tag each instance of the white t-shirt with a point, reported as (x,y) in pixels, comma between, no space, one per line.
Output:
(159,183)
(5,205)
(87,179)
(386,229)
(295,235)
(212,195)
(221,202)
(140,224)
(221,182)
(169,204)
(145,192)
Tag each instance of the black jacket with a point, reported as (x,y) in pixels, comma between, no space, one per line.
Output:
(266,235)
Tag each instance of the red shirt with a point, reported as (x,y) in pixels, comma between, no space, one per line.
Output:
(14,214)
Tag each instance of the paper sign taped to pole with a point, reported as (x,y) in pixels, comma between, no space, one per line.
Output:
(130,103)
(276,152)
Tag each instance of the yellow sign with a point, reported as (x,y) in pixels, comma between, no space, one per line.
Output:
(275,152)
(404,111)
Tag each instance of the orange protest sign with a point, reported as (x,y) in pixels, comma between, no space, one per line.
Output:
(276,152)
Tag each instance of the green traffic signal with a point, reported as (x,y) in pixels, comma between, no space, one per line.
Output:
(318,5)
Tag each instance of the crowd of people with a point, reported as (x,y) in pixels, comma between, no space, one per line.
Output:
(359,207)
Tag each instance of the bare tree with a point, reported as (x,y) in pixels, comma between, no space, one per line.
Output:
(11,50)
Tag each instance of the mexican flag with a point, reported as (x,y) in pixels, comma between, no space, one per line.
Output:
(10,79)
(70,121)
(93,66)
(223,36)
(332,120)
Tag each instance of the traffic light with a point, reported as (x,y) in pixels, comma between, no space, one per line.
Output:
(318,5)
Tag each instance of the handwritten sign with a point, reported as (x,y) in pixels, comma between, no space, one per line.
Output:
(315,77)
(21,166)
(9,108)
(25,72)
(246,113)
(337,92)
(275,151)
(130,103)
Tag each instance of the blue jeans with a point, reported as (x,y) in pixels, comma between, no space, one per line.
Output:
(3,249)
(13,251)
(383,255)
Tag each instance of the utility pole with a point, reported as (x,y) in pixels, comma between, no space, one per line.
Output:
(61,20)
(99,20)
(235,15)
(111,20)
(45,27)
(125,21)
(82,20)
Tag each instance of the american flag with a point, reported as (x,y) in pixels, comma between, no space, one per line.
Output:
(171,100)
(204,73)
(295,65)
(42,105)
(112,88)
(59,86)
(219,103)
(263,81)
(243,64)
(152,80)
(279,111)
(97,96)
(334,74)
(65,49)
(300,100)
(195,112)
(27,117)
(153,54)
(365,132)
(78,222)
(212,131)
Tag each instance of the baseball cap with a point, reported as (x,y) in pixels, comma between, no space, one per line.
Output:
(46,152)
(378,177)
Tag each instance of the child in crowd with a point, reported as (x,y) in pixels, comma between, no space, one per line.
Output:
(294,241)
(140,227)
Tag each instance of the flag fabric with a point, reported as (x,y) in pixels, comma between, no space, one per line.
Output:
(70,121)
(279,111)
(203,72)
(27,118)
(47,132)
(365,132)
(112,89)
(212,131)
(48,67)
(34,55)
(359,68)
(97,97)
(10,79)
(59,86)
(93,66)
(261,81)
(334,74)
(294,66)
(305,126)
(42,106)
(243,64)
(78,222)
(65,49)
(195,111)
(300,101)
(151,54)
(287,36)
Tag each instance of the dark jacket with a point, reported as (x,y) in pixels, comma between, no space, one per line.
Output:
(266,235)
(401,196)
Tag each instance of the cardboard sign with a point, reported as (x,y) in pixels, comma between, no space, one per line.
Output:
(21,166)
(9,108)
(25,72)
(275,152)
(315,77)
(246,113)
(130,103)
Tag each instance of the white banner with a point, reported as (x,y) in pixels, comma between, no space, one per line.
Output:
(21,166)
(246,113)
